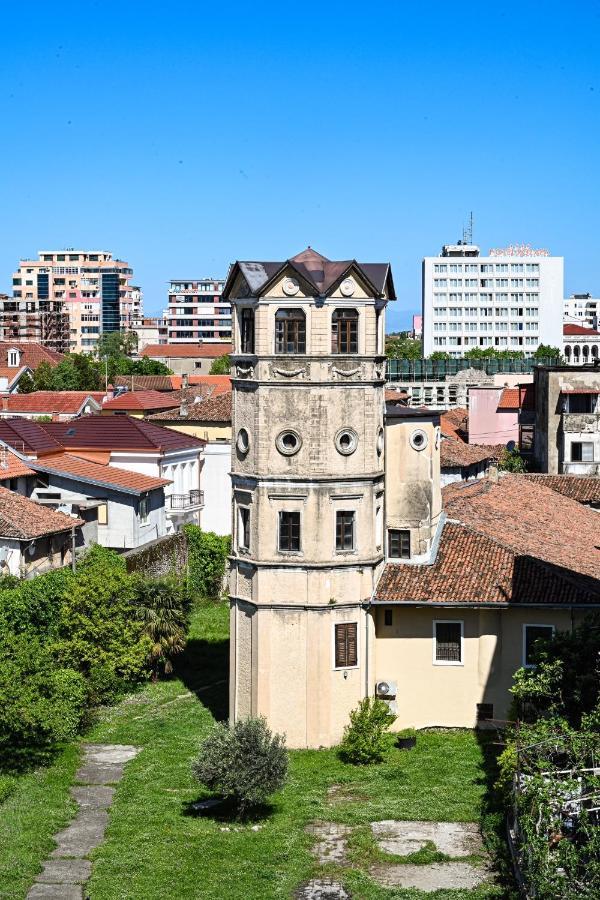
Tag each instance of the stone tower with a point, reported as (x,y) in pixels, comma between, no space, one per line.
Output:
(308,488)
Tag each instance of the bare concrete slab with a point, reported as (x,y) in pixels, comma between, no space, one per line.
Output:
(322,889)
(66,871)
(452,838)
(332,846)
(430,878)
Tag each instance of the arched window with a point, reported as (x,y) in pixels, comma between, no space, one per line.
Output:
(595,351)
(568,351)
(290,331)
(344,331)
(586,351)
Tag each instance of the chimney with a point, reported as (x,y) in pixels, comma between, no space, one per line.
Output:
(5,403)
(183,408)
(185,381)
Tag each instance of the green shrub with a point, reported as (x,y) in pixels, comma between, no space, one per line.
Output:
(40,704)
(99,633)
(245,762)
(207,559)
(365,738)
(162,606)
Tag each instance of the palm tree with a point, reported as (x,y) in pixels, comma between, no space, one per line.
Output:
(162,607)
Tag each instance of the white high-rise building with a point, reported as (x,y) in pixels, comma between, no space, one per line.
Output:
(582,309)
(510,300)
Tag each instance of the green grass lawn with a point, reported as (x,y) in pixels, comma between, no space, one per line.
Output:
(155,849)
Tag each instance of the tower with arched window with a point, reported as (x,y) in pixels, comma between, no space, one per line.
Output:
(308,485)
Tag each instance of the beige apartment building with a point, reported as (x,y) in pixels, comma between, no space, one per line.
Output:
(353,574)
(66,298)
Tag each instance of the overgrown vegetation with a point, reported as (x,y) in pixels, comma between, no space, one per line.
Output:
(244,763)
(511,461)
(366,738)
(548,770)
(207,560)
(221,365)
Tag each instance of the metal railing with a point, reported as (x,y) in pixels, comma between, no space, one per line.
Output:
(186,501)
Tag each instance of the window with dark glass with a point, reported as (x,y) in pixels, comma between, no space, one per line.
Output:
(534,635)
(290,331)
(244,534)
(388,617)
(289,531)
(344,530)
(346,645)
(448,642)
(399,543)
(344,331)
(247,331)
(582,451)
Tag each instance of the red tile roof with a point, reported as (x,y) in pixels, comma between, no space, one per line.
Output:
(48,402)
(471,567)
(11,466)
(572,330)
(91,472)
(141,400)
(529,519)
(12,373)
(577,487)
(117,433)
(32,354)
(454,423)
(148,382)
(27,436)
(454,454)
(183,351)
(214,409)
(23,519)
(509,399)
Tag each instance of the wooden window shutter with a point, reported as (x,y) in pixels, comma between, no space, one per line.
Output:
(346,645)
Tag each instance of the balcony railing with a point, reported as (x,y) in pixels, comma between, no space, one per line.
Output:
(581,423)
(193,499)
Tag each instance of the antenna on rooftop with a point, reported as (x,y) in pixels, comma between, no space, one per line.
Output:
(467,237)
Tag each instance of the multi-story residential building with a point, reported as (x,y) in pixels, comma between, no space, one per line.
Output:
(567,420)
(509,300)
(582,309)
(197,312)
(66,298)
(148,329)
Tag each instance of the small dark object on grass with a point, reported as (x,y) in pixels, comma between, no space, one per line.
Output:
(407,739)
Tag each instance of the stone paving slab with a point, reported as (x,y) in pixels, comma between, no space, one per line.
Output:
(66,871)
(451,838)
(430,878)
(85,832)
(55,892)
(67,868)
(322,889)
(332,846)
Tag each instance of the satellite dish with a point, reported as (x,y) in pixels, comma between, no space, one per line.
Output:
(511,446)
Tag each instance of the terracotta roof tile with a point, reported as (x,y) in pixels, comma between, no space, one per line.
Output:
(32,354)
(456,453)
(27,436)
(24,519)
(116,433)
(577,487)
(11,465)
(47,402)
(454,423)
(148,382)
(471,567)
(183,351)
(214,409)
(580,330)
(110,476)
(141,400)
(509,399)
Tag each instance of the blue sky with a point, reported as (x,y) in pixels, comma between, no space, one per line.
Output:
(182,136)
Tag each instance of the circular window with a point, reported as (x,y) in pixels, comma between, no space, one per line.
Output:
(346,441)
(243,441)
(418,439)
(347,287)
(288,442)
(379,442)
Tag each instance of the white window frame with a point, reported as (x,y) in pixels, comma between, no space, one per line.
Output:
(345,668)
(527,625)
(448,662)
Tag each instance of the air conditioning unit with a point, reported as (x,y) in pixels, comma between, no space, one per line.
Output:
(386,689)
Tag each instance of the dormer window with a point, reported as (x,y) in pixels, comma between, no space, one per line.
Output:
(13,357)
(344,331)
(290,331)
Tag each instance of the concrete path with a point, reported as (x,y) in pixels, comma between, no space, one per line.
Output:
(67,870)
